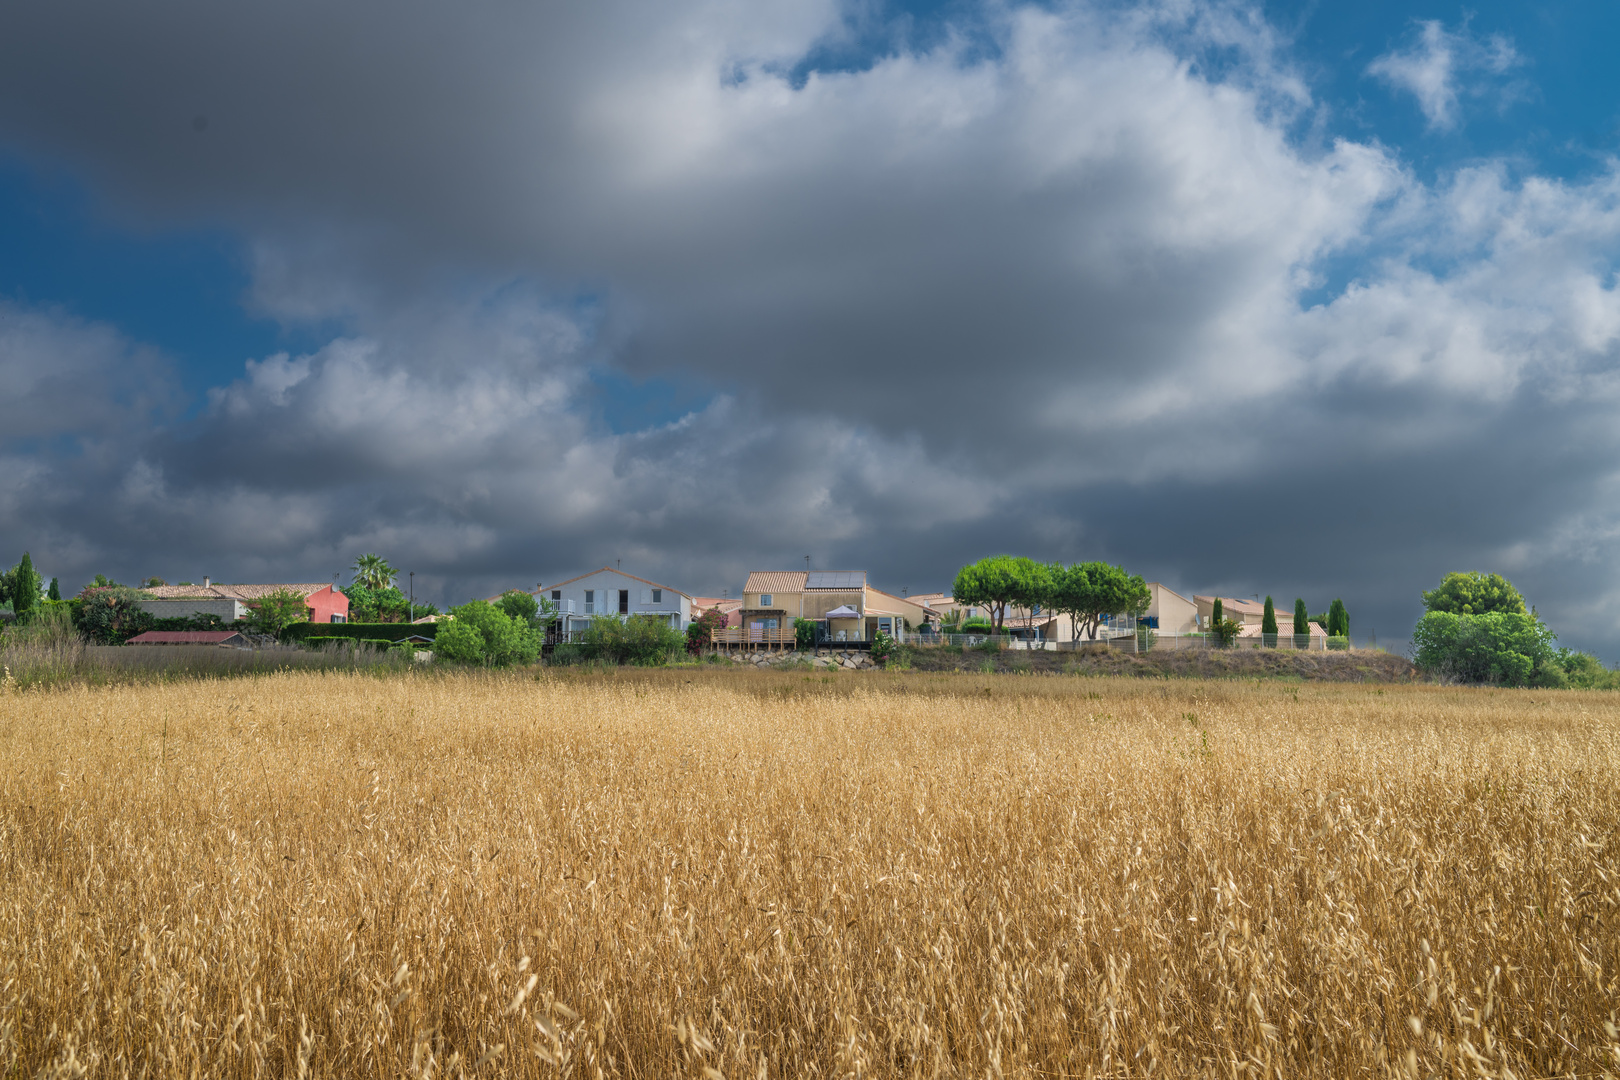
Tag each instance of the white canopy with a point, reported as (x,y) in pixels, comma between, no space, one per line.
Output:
(843,611)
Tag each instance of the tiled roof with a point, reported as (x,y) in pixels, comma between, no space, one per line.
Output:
(185,637)
(774,581)
(725,604)
(1229,605)
(229,592)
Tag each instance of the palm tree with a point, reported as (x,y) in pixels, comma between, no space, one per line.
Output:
(373,572)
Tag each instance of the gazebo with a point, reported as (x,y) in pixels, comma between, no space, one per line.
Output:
(852,631)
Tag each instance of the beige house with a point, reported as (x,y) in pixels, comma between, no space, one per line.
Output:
(1171,612)
(839,599)
(1250,616)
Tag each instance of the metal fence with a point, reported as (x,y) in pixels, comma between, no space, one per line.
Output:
(1144,640)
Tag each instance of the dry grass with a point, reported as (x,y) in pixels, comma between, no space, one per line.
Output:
(667,873)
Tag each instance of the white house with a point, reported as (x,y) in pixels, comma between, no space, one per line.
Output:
(580,599)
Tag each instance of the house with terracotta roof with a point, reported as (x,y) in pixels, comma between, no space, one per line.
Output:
(581,598)
(230,602)
(840,601)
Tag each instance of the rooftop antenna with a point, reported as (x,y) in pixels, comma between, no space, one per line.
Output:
(616,563)
(807,564)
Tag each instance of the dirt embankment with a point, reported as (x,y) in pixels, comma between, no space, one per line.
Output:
(1354,666)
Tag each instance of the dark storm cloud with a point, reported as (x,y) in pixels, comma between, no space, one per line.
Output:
(1042,297)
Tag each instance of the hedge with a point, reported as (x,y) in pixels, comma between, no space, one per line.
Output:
(388,631)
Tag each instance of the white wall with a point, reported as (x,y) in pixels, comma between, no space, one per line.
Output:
(604,586)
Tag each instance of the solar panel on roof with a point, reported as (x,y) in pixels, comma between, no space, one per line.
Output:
(835,579)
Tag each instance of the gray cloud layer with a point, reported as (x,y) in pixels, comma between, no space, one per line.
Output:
(1052,300)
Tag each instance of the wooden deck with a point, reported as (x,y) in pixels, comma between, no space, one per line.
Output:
(742,637)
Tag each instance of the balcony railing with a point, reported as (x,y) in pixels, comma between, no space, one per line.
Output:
(745,635)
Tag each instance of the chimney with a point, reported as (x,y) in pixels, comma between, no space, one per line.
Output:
(206,584)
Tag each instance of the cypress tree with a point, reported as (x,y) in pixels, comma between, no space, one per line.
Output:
(1338,621)
(56,591)
(1302,619)
(25,591)
(1268,620)
(1216,615)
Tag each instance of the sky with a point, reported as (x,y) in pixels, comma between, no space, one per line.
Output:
(1292,299)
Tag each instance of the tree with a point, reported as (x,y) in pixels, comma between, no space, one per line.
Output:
(1090,592)
(112,614)
(1474,593)
(1268,622)
(373,572)
(1504,648)
(55,592)
(804,634)
(24,586)
(1217,613)
(1338,620)
(386,604)
(1033,584)
(991,583)
(153,582)
(274,612)
(519,605)
(481,633)
(1302,621)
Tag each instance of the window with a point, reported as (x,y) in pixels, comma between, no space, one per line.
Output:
(624,601)
(765,599)
(590,601)
(556,596)
(658,596)
(340,618)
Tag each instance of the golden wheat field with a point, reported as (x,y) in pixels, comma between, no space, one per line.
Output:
(697,873)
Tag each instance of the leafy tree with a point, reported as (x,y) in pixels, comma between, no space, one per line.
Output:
(274,612)
(55,592)
(1226,631)
(1302,621)
(1090,592)
(1504,648)
(1033,584)
(992,583)
(153,582)
(1586,672)
(519,605)
(1338,620)
(640,639)
(1474,593)
(386,604)
(112,614)
(481,633)
(373,572)
(1268,622)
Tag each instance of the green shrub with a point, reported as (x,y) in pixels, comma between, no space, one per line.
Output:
(1338,643)
(568,654)
(112,615)
(804,633)
(481,633)
(697,631)
(1499,648)
(640,639)
(883,647)
(976,626)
